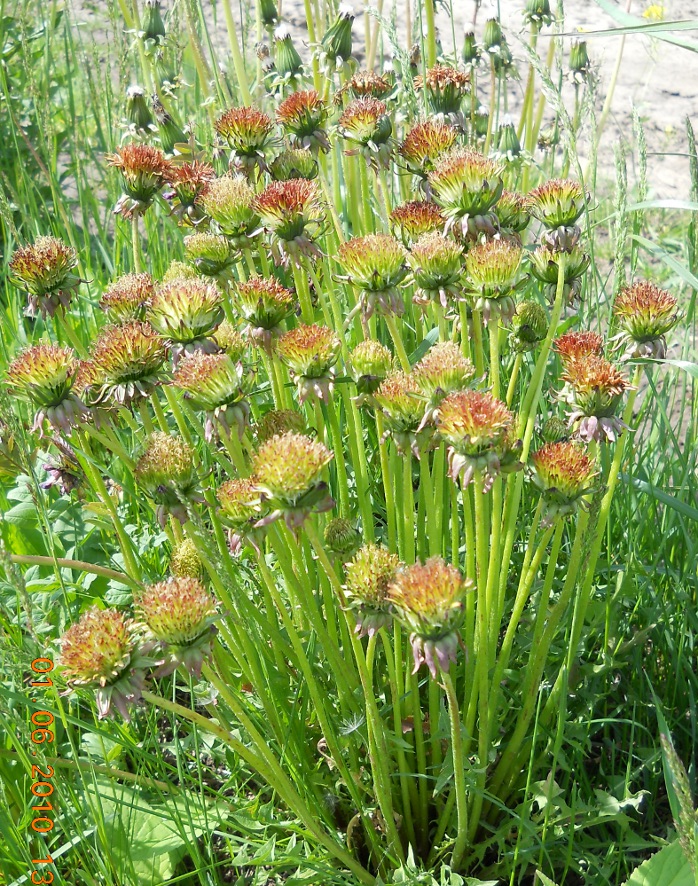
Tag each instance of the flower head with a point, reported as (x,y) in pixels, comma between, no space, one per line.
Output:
(558,204)
(512,212)
(368,577)
(218,385)
(492,268)
(187,313)
(563,472)
(403,404)
(342,538)
(580,64)
(293,214)
(411,220)
(228,339)
(125,299)
(287,471)
(436,268)
(645,313)
(529,327)
(467,185)
(578,345)
(303,116)
(440,372)
(229,202)
(167,474)
(429,600)
(293,163)
(185,561)
(545,265)
(179,613)
(538,13)
(595,389)
(210,254)
(369,364)
(426,143)
(99,652)
(335,48)
(187,182)
(239,503)
(125,365)
(478,428)
(44,374)
(248,132)
(279,422)
(287,61)
(310,352)
(445,87)
(264,303)
(370,83)
(365,123)
(143,172)
(376,265)
(45,270)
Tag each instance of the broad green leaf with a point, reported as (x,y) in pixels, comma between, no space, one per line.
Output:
(668,867)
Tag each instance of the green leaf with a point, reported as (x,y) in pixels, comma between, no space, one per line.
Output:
(423,346)
(546,881)
(668,867)
(631,24)
(669,260)
(670,501)
(690,368)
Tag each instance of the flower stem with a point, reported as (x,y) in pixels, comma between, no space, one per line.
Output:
(458,771)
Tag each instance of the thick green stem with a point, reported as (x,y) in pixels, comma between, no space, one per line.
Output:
(458,772)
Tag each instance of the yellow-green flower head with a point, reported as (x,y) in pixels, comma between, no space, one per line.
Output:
(187,182)
(403,405)
(287,471)
(368,578)
(508,145)
(342,538)
(375,262)
(248,132)
(580,64)
(545,261)
(44,374)
(557,203)
(303,116)
(186,311)
(645,313)
(512,212)
(446,87)
(126,363)
(264,304)
(426,143)
(45,270)
(99,652)
(366,123)
(529,327)
(596,389)
(287,62)
(293,214)
(410,220)
(229,202)
(231,341)
(185,561)
(167,474)
(143,172)
(310,352)
(436,263)
(429,599)
(470,53)
(126,298)
(293,163)
(467,186)
(479,430)
(179,613)
(179,270)
(239,502)
(218,385)
(563,472)
(369,364)
(492,269)
(210,254)
(442,371)
(578,345)
(278,422)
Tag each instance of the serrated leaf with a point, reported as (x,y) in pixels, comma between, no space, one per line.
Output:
(668,867)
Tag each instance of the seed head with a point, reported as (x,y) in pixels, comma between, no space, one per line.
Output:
(179,613)
(248,132)
(411,220)
(292,213)
(294,163)
(185,561)
(369,364)
(564,473)
(368,578)
(557,203)
(303,116)
(279,422)
(210,254)
(529,327)
(426,143)
(310,352)
(126,364)
(143,172)
(218,385)
(467,185)
(578,345)
(125,299)
(342,538)
(229,202)
(99,652)
(596,388)
(645,313)
(445,87)
(429,601)
(187,182)
(45,270)
(167,474)
(186,312)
